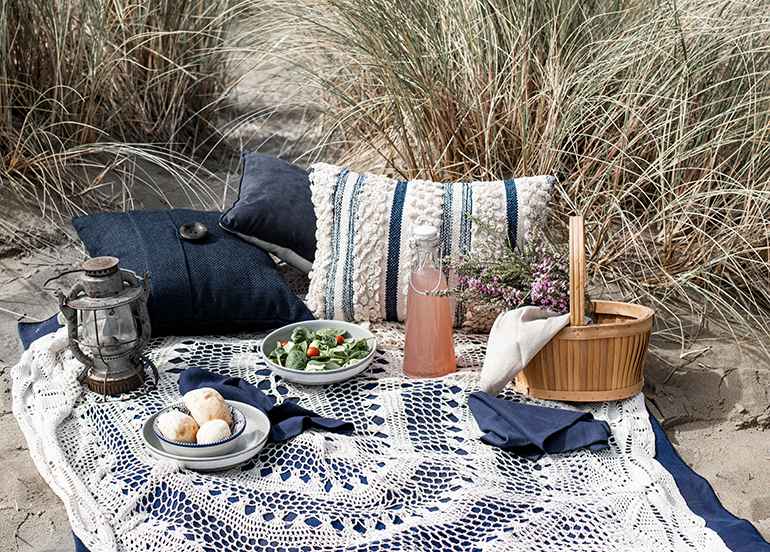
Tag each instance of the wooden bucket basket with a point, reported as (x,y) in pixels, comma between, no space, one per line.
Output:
(603,361)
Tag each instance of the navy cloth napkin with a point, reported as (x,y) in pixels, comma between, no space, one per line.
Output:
(531,430)
(287,419)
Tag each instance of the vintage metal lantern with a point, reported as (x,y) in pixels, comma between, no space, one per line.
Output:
(108,325)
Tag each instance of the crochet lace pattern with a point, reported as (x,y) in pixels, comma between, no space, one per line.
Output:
(414,475)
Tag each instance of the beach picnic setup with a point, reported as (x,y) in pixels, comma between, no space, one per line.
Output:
(347,361)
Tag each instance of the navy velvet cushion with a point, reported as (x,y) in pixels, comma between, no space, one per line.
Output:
(274,209)
(215,285)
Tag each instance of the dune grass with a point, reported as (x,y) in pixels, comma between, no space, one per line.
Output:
(95,94)
(656,113)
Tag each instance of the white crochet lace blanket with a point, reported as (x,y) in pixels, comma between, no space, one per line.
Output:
(412,477)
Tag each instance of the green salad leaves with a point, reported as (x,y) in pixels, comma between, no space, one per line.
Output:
(325,349)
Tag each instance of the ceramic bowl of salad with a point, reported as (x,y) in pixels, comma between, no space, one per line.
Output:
(319,352)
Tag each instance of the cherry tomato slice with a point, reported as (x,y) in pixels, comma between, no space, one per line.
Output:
(340,340)
(284,342)
(313,352)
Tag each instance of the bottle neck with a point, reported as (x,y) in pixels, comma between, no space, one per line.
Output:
(427,255)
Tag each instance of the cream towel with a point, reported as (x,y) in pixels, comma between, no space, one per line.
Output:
(515,339)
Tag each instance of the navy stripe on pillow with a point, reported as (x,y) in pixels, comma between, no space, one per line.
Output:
(466,219)
(339,192)
(347,305)
(512,207)
(466,225)
(394,250)
(446,222)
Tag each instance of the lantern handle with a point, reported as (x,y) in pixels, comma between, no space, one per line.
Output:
(129,276)
(53,278)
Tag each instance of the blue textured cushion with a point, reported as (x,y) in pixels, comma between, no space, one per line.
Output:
(274,209)
(216,285)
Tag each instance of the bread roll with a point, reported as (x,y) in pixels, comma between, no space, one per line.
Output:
(207,404)
(177,426)
(213,431)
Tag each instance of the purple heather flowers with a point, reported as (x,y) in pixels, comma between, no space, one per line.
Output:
(549,289)
(531,276)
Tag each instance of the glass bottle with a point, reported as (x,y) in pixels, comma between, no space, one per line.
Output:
(429,348)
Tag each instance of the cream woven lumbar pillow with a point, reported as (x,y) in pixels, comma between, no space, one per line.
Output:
(364,224)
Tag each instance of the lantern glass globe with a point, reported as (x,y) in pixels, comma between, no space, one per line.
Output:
(109,332)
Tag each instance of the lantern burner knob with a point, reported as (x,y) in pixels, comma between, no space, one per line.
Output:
(100,266)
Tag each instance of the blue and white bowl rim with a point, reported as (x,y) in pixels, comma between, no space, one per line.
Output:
(238,427)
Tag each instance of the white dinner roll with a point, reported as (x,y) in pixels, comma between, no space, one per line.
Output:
(213,431)
(207,404)
(177,426)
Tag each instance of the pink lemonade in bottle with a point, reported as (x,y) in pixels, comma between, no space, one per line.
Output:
(429,350)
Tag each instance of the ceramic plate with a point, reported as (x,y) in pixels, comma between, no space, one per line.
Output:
(327,376)
(248,445)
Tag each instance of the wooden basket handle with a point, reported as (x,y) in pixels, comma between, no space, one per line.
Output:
(577,271)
